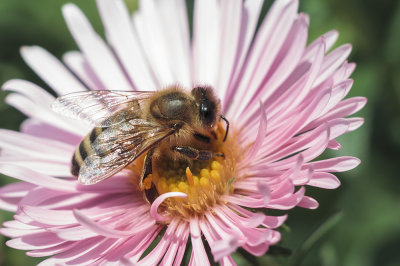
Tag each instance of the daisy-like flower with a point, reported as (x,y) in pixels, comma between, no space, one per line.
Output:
(284,101)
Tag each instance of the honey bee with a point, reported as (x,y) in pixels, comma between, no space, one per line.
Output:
(127,124)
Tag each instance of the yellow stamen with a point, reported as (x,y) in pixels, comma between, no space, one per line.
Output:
(215,175)
(183,186)
(215,165)
(205,173)
(204,182)
(189,176)
(195,180)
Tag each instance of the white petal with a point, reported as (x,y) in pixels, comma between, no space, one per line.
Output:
(152,39)
(121,35)
(95,50)
(80,66)
(206,42)
(231,36)
(55,74)
(174,19)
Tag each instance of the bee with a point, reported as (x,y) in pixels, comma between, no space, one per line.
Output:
(171,122)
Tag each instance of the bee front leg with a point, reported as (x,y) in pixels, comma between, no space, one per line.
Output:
(195,154)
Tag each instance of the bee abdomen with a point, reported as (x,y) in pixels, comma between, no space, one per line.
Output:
(84,150)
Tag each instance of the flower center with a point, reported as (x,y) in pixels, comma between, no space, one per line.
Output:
(204,182)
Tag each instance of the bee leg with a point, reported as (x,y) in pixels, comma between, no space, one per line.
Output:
(195,154)
(146,184)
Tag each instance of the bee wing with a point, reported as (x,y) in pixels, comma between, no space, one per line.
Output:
(94,107)
(118,146)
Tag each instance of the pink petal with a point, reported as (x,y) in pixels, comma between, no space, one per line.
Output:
(158,252)
(46,167)
(199,254)
(344,108)
(287,203)
(76,251)
(24,144)
(35,241)
(265,192)
(265,46)
(43,130)
(36,178)
(262,131)
(332,62)
(49,217)
(179,242)
(52,250)
(355,123)
(285,62)
(109,232)
(308,202)
(324,180)
(250,16)
(223,247)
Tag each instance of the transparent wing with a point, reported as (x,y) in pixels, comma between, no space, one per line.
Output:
(116,147)
(94,107)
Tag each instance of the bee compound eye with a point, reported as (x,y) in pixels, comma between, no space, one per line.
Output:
(207,112)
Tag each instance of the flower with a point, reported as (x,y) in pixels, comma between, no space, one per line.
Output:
(284,100)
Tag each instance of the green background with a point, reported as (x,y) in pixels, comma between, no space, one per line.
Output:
(365,227)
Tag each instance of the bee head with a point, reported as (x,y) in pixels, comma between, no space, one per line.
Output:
(208,105)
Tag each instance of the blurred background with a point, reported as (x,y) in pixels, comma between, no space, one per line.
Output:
(356,224)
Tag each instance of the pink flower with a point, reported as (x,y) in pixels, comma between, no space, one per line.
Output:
(284,100)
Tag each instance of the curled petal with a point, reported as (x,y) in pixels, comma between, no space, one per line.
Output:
(159,200)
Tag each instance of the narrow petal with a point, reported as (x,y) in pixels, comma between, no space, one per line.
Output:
(80,66)
(109,232)
(30,176)
(173,16)
(206,42)
(154,42)
(338,164)
(262,131)
(308,202)
(95,50)
(199,254)
(52,71)
(24,144)
(231,27)
(324,180)
(121,35)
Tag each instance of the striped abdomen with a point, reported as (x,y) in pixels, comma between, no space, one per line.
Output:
(84,150)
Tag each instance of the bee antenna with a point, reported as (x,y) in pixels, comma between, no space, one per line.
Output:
(227,126)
